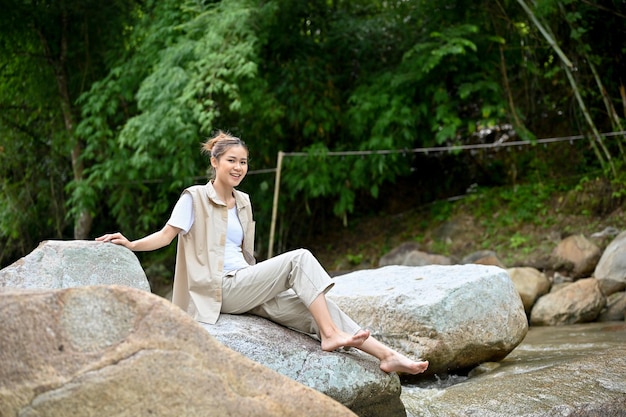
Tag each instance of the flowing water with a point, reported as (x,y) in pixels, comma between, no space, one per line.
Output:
(558,370)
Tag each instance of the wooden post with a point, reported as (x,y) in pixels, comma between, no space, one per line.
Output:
(279,165)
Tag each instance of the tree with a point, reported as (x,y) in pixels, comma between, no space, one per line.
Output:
(582,54)
(146,119)
(140,84)
(51,51)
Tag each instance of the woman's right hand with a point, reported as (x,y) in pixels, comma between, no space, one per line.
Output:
(117,238)
(154,241)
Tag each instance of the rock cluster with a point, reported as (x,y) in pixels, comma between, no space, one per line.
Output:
(455,316)
(580,283)
(71,339)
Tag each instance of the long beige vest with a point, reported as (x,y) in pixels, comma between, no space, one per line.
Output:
(200,252)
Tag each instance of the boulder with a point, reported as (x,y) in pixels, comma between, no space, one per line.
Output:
(579,302)
(615,309)
(409,254)
(576,256)
(483,257)
(559,286)
(351,377)
(530,283)
(455,316)
(118,351)
(65,264)
(611,269)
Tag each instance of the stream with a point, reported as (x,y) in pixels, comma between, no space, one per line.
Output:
(573,370)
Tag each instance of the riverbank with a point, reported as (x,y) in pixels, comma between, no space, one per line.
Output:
(521,224)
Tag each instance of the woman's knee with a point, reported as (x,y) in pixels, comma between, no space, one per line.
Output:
(303,253)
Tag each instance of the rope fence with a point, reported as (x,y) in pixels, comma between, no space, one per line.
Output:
(426,151)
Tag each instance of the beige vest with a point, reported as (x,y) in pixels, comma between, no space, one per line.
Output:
(200,252)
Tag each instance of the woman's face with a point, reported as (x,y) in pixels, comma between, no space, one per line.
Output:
(232,166)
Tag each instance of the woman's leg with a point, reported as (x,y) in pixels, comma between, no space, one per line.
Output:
(390,360)
(257,284)
(287,309)
(297,270)
(285,287)
(331,335)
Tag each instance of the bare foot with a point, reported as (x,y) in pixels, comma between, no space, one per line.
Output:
(401,364)
(342,339)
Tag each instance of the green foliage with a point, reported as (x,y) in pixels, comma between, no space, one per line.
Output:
(426,92)
(183,78)
(355,259)
(517,240)
(148,81)
(619,184)
(50,52)
(510,206)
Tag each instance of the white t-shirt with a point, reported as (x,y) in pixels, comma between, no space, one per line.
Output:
(182,214)
(182,217)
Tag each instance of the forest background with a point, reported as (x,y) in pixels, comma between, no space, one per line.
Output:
(390,109)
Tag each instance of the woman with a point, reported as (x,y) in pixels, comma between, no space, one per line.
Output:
(216,272)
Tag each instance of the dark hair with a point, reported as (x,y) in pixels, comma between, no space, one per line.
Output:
(217,145)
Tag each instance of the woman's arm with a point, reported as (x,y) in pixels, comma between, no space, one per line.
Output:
(154,241)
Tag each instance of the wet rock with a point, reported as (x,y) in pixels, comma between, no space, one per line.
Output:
(455,316)
(579,302)
(65,264)
(122,352)
(483,368)
(573,370)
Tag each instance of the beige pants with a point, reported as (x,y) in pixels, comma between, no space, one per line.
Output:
(281,289)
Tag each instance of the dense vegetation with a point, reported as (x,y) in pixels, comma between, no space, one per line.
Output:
(104,105)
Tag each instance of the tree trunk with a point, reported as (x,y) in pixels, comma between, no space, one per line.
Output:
(596,141)
(622,93)
(82,224)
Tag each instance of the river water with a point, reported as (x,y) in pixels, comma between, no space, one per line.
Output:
(558,370)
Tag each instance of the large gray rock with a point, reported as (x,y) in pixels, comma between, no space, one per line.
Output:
(117,351)
(351,377)
(454,316)
(611,269)
(579,302)
(575,370)
(64,264)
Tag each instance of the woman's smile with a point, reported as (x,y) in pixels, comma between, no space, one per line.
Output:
(233,163)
